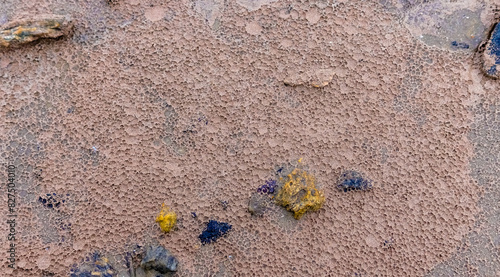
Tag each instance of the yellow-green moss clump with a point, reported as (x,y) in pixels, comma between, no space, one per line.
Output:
(166,219)
(299,194)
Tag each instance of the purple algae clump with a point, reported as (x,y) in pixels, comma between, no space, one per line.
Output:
(268,188)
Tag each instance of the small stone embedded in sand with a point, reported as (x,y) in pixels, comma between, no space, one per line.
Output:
(315,78)
(4,62)
(24,31)
(43,262)
(371,241)
(258,204)
(253,5)
(491,54)
(286,43)
(299,194)
(313,16)
(159,259)
(155,14)
(78,245)
(253,28)
(210,10)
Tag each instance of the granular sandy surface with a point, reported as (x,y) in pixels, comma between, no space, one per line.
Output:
(184,102)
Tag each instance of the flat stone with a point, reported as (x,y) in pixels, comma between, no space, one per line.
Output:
(24,31)
(210,10)
(258,204)
(253,5)
(317,78)
(98,266)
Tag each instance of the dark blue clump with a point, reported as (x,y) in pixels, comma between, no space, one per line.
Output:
(353,180)
(213,231)
(460,45)
(50,200)
(268,188)
(492,70)
(495,43)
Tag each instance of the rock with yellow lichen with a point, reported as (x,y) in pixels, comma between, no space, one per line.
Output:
(20,32)
(299,194)
(166,219)
(97,265)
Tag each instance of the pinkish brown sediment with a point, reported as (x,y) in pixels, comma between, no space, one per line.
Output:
(184,103)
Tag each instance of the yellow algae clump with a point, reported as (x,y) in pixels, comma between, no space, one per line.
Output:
(299,193)
(166,219)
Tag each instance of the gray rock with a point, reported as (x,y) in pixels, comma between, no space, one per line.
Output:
(258,204)
(159,259)
(491,55)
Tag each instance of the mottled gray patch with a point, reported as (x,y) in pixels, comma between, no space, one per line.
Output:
(479,253)
(438,24)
